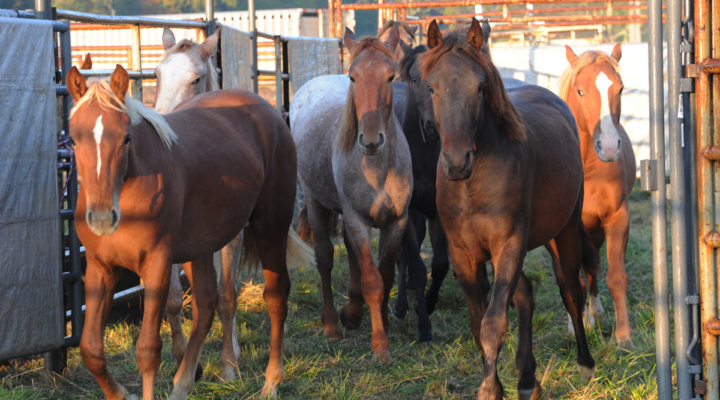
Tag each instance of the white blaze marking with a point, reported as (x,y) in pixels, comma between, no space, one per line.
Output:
(98,132)
(603,84)
(178,71)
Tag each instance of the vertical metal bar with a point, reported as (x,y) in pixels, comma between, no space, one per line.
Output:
(708,285)
(381,12)
(658,198)
(677,185)
(136,62)
(286,72)
(210,16)
(331,18)
(253,30)
(43,9)
(278,75)
(339,18)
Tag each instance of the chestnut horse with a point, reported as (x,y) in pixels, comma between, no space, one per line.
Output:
(592,87)
(353,159)
(186,70)
(160,190)
(509,180)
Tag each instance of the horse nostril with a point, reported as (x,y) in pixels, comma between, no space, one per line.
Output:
(468,157)
(599,144)
(114,217)
(89,216)
(381,140)
(619,143)
(361,141)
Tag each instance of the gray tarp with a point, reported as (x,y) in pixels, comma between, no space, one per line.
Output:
(31,317)
(236,47)
(312,57)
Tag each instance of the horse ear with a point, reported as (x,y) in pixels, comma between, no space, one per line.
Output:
(434,36)
(486,29)
(349,39)
(75,83)
(413,30)
(168,38)
(570,55)
(406,48)
(393,39)
(207,48)
(87,62)
(617,52)
(475,34)
(119,82)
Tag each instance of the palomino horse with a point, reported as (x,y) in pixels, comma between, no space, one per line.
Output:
(186,70)
(592,87)
(160,190)
(509,180)
(424,142)
(353,159)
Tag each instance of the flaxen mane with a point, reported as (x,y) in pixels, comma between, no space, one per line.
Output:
(567,80)
(400,24)
(184,45)
(347,131)
(505,114)
(408,61)
(137,112)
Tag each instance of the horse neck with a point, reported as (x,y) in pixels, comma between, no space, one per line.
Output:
(587,148)
(147,154)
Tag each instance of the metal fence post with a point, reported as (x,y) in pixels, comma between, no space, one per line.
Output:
(210,16)
(136,62)
(658,197)
(278,74)
(253,31)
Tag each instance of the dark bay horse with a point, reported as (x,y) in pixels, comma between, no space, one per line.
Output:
(509,180)
(424,142)
(160,190)
(592,87)
(353,159)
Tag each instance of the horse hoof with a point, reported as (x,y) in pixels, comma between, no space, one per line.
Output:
(626,344)
(530,394)
(596,307)
(198,372)
(349,323)
(426,336)
(586,374)
(332,333)
(383,357)
(132,397)
(228,373)
(270,390)
(401,310)
(430,305)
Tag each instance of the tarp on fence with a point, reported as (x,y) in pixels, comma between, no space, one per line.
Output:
(31,312)
(312,57)
(236,48)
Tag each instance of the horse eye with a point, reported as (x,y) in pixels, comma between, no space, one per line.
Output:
(413,80)
(127,140)
(196,81)
(621,90)
(481,87)
(580,92)
(392,77)
(430,88)
(351,78)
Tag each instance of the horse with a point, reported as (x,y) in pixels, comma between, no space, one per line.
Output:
(353,159)
(592,87)
(424,142)
(509,179)
(159,190)
(184,71)
(407,35)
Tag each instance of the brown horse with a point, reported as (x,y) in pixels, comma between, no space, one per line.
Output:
(592,87)
(353,159)
(156,191)
(509,180)
(407,35)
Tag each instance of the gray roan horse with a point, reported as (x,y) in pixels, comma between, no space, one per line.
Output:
(186,70)
(353,159)
(510,179)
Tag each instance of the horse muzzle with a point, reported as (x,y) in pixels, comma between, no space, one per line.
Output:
(457,165)
(608,150)
(103,222)
(372,147)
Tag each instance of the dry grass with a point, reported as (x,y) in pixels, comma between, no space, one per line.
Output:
(451,368)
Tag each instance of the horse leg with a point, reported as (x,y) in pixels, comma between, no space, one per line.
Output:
(617,230)
(507,261)
(358,234)
(173,310)
(440,263)
(351,313)
(156,273)
(390,239)
(528,386)
(320,218)
(597,237)
(566,251)
(401,303)
(227,306)
(100,280)
(472,276)
(418,279)
(201,275)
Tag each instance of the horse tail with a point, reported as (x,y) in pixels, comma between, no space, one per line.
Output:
(304,226)
(298,252)
(590,256)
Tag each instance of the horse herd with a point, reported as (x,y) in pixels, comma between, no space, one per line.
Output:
(495,166)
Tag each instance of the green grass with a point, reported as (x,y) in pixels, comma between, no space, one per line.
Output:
(450,368)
